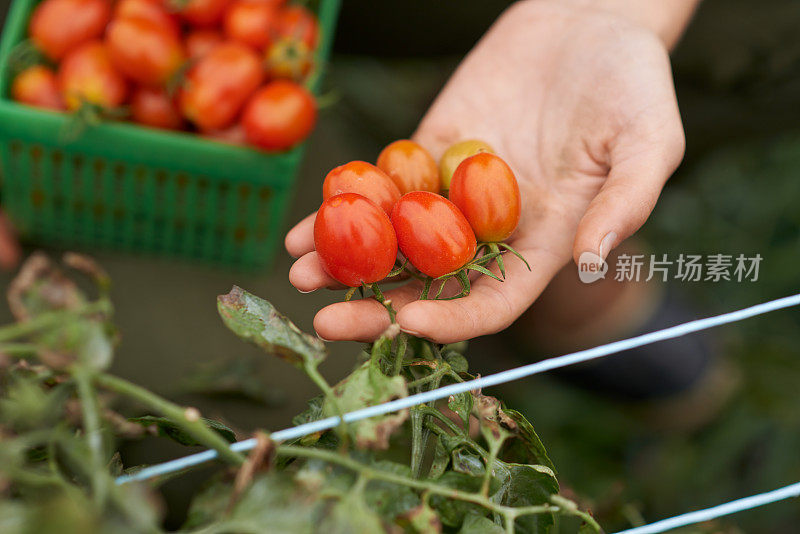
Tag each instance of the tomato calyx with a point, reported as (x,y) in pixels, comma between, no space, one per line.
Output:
(89,114)
(494,248)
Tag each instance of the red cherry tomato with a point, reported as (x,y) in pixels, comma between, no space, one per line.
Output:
(219,84)
(203,13)
(152,10)
(87,75)
(485,190)
(354,239)
(364,179)
(233,135)
(290,59)
(144,51)
(250,22)
(37,86)
(280,115)
(432,233)
(410,166)
(58,26)
(152,106)
(299,23)
(201,42)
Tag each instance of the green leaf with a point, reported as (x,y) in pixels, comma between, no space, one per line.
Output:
(441,459)
(466,461)
(367,386)
(257,321)
(166,428)
(526,444)
(462,405)
(456,360)
(527,485)
(351,515)
(451,511)
(478,524)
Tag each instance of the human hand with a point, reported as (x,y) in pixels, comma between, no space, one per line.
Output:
(580,103)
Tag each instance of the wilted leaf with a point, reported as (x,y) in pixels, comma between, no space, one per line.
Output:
(441,459)
(41,286)
(465,461)
(424,520)
(462,405)
(526,443)
(495,425)
(367,386)
(166,428)
(257,321)
(478,524)
(451,511)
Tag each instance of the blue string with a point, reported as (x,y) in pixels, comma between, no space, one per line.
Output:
(717,511)
(478,383)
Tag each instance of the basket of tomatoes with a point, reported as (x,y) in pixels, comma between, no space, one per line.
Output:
(164,126)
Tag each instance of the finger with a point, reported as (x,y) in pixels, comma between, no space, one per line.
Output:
(362,320)
(307,274)
(490,307)
(300,239)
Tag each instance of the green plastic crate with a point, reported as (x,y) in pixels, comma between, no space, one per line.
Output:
(127,187)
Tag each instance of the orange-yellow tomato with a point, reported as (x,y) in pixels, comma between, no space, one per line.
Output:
(37,86)
(410,166)
(457,153)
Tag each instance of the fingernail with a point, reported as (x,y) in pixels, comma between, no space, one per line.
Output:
(306,292)
(606,244)
(323,339)
(410,332)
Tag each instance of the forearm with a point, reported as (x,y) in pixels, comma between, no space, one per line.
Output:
(666,18)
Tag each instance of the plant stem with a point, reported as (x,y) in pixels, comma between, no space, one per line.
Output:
(421,485)
(51,318)
(494,450)
(386,303)
(440,371)
(400,353)
(94,435)
(18,349)
(192,425)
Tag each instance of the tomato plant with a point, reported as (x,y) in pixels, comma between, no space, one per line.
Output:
(218,85)
(147,52)
(250,22)
(202,13)
(87,76)
(299,23)
(37,86)
(485,190)
(289,58)
(457,153)
(364,179)
(410,166)
(153,106)
(58,26)
(354,240)
(152,10)
(279,115)
(432,233)
(200,42)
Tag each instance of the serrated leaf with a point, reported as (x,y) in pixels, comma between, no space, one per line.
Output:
(257,321)
(527,485)
(367,386)
(167,428)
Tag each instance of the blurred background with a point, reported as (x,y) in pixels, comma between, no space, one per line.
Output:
(737,73)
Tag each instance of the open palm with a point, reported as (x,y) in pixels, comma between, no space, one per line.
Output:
(581,105)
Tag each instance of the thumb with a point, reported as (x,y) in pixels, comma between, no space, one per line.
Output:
(626,200)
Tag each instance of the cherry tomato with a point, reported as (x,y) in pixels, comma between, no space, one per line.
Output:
(250,22)
(432,233)
(203,13)
(87,75)
(152,106)
(58,26)
(219,84)
(299,23)
(280,115)
(144,51)
(289,58)
(354,239)
(410,166)
(37,86)
(456,154)
(152,10)
(485,190)
(366,180)
(201,42)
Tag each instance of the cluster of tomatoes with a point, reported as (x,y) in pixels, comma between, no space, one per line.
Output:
(231,69)
(371,211)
